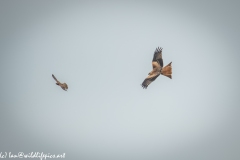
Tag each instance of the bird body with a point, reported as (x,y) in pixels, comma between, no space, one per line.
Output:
(158,69)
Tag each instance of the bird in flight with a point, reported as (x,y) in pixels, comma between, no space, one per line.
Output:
(64,86)
(157,64)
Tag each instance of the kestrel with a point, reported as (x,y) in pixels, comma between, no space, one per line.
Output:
(64,86)
(157,64)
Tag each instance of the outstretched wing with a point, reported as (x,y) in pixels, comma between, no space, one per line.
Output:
(149,80)
(54,78)
(157,57)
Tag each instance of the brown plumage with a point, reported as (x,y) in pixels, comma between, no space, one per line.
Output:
(157,64)
(64,86)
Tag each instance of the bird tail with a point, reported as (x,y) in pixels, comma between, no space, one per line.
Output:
(167,70)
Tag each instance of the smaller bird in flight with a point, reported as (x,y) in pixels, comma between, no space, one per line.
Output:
(157,64)
(64,86)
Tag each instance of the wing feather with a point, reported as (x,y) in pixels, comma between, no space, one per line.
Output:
(157,57)
(149,80)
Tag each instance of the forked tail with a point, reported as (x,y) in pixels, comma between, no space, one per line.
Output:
(167,70)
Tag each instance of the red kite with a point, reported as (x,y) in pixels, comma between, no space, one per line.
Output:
(157,64)
(64,86)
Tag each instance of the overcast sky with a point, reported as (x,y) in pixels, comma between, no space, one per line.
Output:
(103,51)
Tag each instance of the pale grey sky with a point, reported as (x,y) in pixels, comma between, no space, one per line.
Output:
(103,51)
